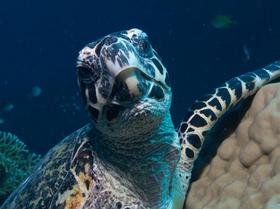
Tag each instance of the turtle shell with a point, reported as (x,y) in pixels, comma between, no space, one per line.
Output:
(62,179)
(72,176)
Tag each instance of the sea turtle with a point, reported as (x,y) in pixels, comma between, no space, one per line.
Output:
(129,156)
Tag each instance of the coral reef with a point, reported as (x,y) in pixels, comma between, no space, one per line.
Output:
(245,172)
(16,163)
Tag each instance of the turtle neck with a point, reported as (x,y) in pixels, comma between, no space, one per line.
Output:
(147,159)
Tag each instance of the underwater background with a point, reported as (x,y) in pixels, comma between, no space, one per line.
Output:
(202,44)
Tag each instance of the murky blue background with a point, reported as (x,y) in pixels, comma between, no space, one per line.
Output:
(40,40)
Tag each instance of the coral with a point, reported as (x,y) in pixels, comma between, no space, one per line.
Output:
(16,163)
(245,172)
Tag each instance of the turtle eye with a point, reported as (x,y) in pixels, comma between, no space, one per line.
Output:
(88,75)
(84,75)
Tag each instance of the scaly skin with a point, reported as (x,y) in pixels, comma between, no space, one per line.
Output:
(204,114)
(126,90)
(129,156)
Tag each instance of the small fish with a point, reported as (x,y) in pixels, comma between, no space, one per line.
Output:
(223,21)
(36,91)
(247,52)
(6,106)
(2,121)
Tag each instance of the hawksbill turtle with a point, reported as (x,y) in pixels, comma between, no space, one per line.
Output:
(129,156)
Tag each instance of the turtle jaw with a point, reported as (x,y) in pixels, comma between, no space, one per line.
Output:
(130,85)
(138,118)
(135,97)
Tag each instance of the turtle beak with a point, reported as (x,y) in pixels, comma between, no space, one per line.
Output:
(130,86)
(130,78)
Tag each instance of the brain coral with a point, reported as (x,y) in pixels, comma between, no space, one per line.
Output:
(16,163)
(245,172)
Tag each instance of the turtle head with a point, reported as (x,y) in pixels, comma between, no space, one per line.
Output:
(122,80)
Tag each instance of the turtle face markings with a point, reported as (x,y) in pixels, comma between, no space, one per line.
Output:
(118,74)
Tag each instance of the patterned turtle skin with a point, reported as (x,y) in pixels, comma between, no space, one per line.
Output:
(129,156)
(206,111)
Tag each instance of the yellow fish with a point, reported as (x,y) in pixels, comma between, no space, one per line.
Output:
(223,21)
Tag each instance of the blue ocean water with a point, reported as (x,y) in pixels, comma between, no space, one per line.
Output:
(40,40)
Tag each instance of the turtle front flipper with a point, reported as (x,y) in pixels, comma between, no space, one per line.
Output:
(75,189)
(204,114)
